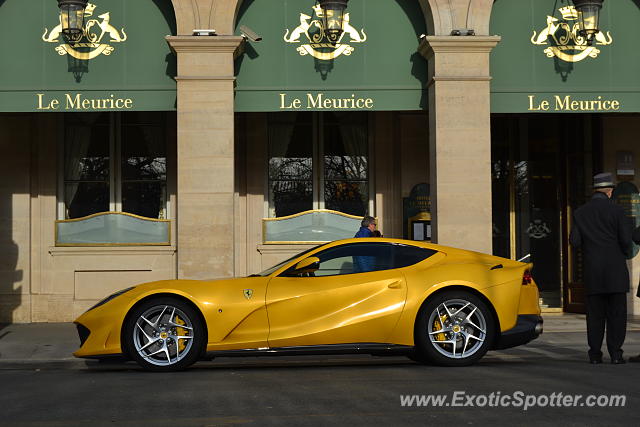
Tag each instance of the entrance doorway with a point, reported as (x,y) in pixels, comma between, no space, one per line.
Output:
(541,168)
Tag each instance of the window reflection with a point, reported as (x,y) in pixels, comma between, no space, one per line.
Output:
(346,163)
(144,166)
(86,198)
(86,164)
(147,199)
(138,175)
(290,164)
(342,141)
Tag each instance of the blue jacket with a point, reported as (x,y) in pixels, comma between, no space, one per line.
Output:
(364,263)
(364,232)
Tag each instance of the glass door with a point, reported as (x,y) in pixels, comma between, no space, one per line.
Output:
(583,160)
(541,166)
(539,203)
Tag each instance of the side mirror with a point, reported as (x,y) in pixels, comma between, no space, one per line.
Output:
(307,265)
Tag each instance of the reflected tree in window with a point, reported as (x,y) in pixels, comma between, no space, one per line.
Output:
(94,179)
(86,164)
(346,164)
(144,167)
(290,165)
(341,180)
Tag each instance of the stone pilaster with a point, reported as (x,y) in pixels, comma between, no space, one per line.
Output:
(460,139)
(205,213)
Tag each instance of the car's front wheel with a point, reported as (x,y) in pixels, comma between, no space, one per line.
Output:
(455,328)
(164,334)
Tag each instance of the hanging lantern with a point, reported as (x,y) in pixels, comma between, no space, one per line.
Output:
(588,16)
(72,17)
(333,18)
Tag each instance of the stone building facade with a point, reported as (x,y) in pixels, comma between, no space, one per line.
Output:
(212,174)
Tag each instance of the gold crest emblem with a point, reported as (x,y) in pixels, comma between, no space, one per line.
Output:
(92,42)
(564,39)
(248,293)
(315,42)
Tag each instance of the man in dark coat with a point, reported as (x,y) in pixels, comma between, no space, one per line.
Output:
(636,239)
(603,232)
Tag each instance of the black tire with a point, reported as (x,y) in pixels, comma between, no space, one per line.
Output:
(171,338)
(462,343)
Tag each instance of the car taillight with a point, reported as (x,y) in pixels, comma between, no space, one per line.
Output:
(527,278)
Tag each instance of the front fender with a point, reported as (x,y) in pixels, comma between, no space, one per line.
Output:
(106,321)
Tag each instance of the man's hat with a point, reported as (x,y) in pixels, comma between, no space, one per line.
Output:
(603,180)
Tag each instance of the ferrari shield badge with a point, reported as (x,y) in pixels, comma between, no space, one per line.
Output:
(95,40)
(563,38)
(248,293)
(311,40)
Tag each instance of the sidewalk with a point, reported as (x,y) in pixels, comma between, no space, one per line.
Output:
(38,342)
(569,322)
(54,342)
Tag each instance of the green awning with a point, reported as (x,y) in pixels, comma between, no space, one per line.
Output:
(121,64)
(543,65)
(375,66)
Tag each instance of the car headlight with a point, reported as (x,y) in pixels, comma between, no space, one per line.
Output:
(110,297)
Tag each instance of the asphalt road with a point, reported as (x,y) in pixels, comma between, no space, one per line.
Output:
(328,390)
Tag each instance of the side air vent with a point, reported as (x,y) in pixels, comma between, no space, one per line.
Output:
(83,333)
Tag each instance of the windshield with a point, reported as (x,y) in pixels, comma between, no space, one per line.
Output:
(277,266)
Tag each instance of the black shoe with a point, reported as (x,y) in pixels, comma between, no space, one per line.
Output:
(634,359)
(618,361)
(595,360)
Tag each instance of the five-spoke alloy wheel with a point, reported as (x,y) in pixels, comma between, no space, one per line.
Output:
(454,328)
(164,334)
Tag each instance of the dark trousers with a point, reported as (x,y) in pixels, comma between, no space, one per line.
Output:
(609,309)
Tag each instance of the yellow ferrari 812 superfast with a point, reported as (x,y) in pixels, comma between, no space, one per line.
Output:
(432,303)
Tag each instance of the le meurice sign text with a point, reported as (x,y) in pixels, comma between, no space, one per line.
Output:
(319,101)
(567,103)
(78,102)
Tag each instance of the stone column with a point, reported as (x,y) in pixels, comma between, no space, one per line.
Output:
(460,139)
(205,212)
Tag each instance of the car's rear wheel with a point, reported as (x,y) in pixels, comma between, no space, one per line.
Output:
(164,334)
(454,328)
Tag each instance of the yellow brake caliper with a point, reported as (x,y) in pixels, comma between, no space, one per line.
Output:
(181,332)
(437,325)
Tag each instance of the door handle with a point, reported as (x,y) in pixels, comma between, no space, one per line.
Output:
(395,285)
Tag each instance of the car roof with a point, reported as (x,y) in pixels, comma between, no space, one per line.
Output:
(416,243)
(451,252)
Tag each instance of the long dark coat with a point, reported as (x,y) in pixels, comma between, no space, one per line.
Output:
(602,230)
(636,239)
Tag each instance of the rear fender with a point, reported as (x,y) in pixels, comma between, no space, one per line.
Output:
(503,298)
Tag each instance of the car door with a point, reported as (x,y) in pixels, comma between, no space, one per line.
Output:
(354,296)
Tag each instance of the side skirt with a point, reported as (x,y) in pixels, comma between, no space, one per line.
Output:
(375,349)
(108,358)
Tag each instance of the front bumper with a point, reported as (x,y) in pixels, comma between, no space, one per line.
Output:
(528,328)
(99,332)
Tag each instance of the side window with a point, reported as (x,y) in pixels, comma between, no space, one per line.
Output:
(365,257)
(355,258)
(405,255)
